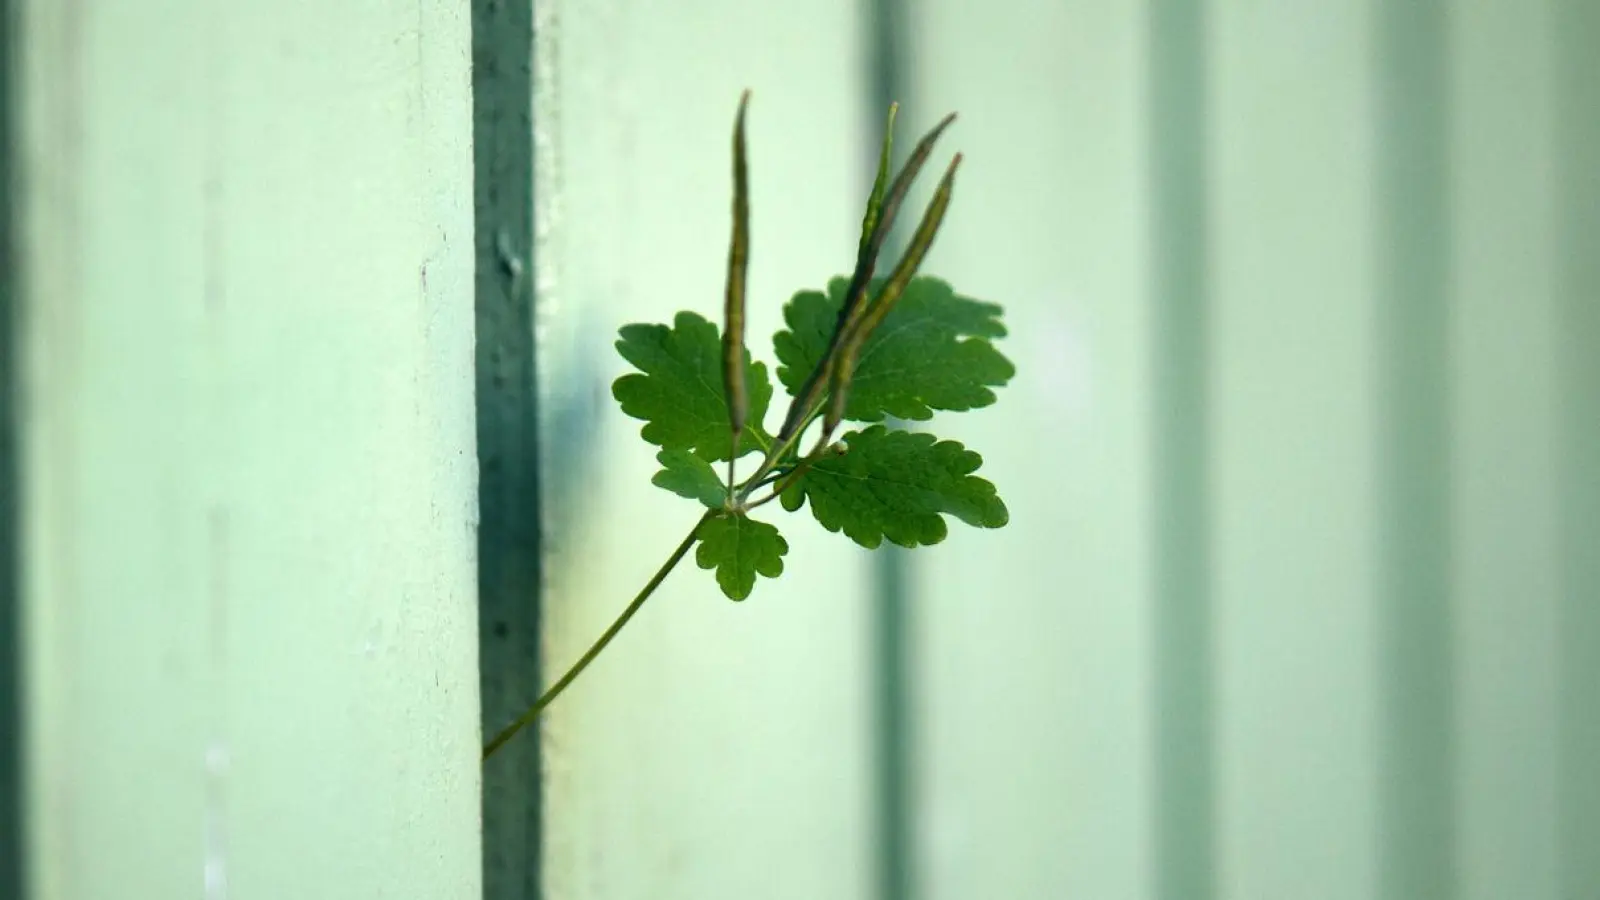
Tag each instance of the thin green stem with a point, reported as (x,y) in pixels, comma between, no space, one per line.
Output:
(782,482)
(532,713)
(757,504)
(775,456)
(772,477)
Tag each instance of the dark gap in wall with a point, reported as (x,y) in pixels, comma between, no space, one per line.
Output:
(12,845)
(893,754)
(1577,149)
(1417,745)
(1185,814)
(509,545)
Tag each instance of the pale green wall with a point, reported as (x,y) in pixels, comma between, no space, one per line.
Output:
(716,749)
(1364,228)
(1036,639)
(1298,595)
(249,471)
(1507,413)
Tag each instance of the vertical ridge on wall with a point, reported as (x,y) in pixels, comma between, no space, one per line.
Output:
(1293,425)
(11,836)
(1504,428)
(1184,813)
(1577,115)
(1033,724)
(1413,234)
(509,546)
(893,757)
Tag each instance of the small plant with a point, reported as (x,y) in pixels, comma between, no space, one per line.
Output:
(867,349)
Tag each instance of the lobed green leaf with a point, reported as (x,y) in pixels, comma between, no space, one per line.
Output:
(740,548)
(678,389)
(689,476)
(898,485)
(933,351)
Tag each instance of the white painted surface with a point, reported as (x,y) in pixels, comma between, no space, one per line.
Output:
(249,469)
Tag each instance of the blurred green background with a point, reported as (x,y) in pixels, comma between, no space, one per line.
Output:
(1300,597)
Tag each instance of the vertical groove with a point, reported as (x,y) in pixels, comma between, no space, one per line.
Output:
(1417,753)
(508,490)
(11,659)
(893,763)
(1184,813)
(1577,31)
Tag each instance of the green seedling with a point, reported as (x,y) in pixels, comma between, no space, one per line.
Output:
(869,350)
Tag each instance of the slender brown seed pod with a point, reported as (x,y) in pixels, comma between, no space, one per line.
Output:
(855,294)
(733,375)
(844,366)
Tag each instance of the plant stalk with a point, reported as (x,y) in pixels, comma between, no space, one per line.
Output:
(554,691)
(774,457)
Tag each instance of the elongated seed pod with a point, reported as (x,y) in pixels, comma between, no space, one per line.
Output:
(866,261)
(896,194)
(733,375)
(867,255)
(845,365)
(880,185)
